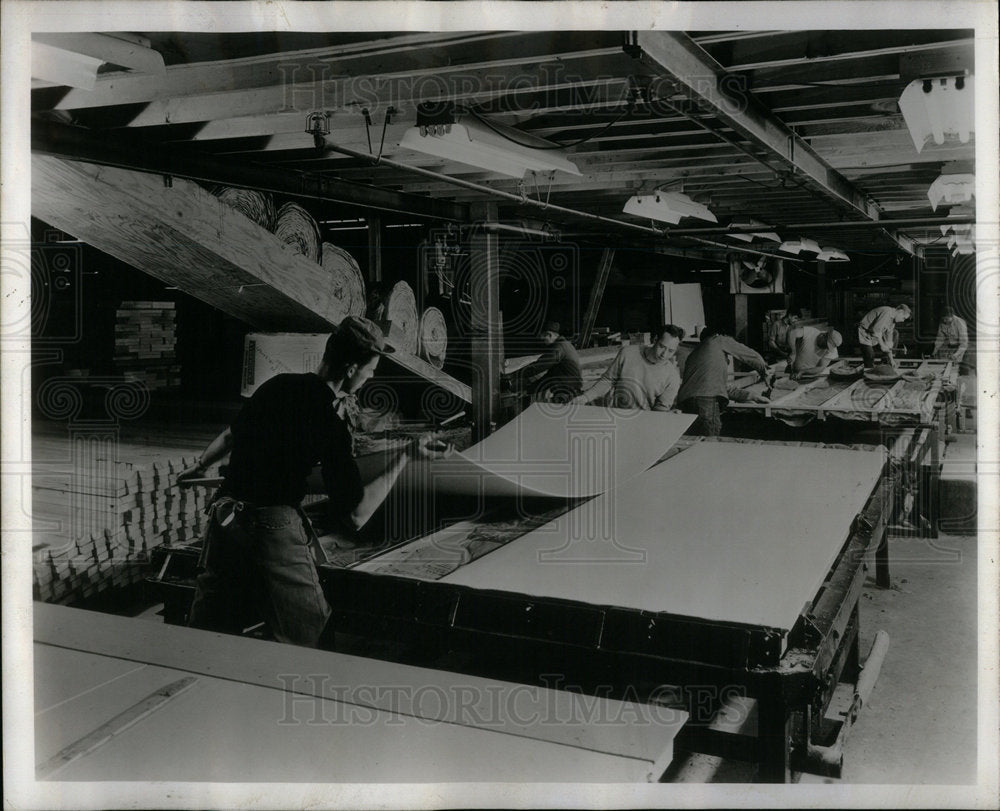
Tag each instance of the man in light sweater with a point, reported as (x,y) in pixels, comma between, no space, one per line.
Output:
(705,390)
(876,330)
(643,377)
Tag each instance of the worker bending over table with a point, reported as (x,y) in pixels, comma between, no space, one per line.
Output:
(952,337)
(643,377)
(876,329)
(256,554)
(811,350)
(705,390)
(556,374)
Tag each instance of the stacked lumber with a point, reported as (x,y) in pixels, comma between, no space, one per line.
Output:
(145,343)
(142,509)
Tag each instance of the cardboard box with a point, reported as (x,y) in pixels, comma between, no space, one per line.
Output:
(266,354)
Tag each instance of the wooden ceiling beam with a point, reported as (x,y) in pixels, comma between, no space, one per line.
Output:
(845,69)
(380,56)
(684,63)
(894,148)
(805,47)
(576,80)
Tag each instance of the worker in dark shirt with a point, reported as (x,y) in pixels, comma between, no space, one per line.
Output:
(256,554)
(705,388)
(555,376)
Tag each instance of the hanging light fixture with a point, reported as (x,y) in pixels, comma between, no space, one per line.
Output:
(796,246)
(832,255)
(940,108)
(952,189)
(475,144)
(750,236)
(668,207)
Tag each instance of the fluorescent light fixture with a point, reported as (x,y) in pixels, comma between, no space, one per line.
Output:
(752,235)
(796,246)
(477,145)
(958,229)
(832,255)
(667,207)
(952,189)
(939,108)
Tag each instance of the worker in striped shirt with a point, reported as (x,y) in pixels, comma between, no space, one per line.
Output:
(876,329)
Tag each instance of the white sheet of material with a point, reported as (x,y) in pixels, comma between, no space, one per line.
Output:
(725,532)
(563,451)
(262,711)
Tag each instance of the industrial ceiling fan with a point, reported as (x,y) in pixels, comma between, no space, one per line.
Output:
(756,274)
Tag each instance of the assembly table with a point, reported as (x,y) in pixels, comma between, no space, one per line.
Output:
(909,416)
(683,582)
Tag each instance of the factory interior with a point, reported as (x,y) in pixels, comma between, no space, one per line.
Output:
(673,432)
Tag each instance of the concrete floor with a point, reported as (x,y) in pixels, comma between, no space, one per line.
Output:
(919,726)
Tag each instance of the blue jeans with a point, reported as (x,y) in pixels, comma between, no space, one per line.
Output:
(259,567)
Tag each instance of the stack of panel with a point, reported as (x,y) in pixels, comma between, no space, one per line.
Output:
(145,341)
(142,510)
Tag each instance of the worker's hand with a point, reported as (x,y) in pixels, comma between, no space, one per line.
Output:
(957,355)
(580,399)
(428,446)
(195,471)
(761,398)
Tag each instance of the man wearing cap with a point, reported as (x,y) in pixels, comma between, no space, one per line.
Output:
(952,337)
(876,330)
(705,390)
(555,376)
(811,350)
(643,377)
(256,555)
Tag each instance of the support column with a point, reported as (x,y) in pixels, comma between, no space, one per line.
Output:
(487,331)
(374,248)
(821,308)
(741,318)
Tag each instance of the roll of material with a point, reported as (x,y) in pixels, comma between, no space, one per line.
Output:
(347,283)
(433,337)
(255,205)
(401,312)
(298,230)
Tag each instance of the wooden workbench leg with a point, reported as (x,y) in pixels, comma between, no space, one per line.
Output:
(774,728)
(882,579)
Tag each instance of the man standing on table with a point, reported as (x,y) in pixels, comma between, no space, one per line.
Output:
(705,390)
(641,376)
(256,554)
(811,350)
(557,371)
(952,337)
(876,330)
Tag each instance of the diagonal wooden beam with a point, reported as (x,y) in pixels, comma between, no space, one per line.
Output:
(74,143)
(704,82)
(596,295)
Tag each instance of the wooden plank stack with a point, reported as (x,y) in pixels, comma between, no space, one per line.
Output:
(145,341)
(145,508)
